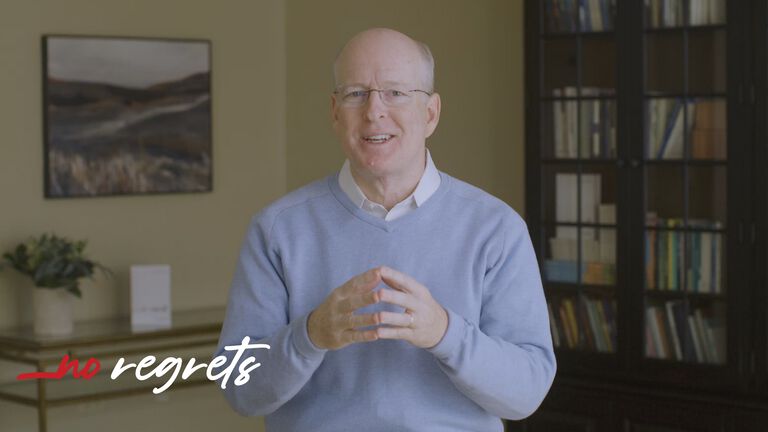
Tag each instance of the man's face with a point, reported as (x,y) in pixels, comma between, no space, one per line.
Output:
(384,140)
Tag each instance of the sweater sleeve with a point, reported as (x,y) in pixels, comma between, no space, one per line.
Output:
(505,363)
(258,308)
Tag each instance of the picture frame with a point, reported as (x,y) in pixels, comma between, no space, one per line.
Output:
(126,116)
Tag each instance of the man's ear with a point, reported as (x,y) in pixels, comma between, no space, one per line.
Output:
(433,113)
(334,117)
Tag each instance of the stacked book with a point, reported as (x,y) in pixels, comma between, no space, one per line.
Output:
(590,132)
(674,332)
(669,13)
(666,259)
(583,323)
(664,127)
(598,246)
(594,15)
(704,125)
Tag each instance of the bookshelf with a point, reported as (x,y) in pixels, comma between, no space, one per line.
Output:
(647,203)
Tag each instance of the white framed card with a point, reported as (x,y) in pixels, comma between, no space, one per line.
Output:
(150,296)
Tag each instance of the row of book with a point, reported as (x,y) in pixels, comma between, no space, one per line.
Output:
(583,323)
(586,128)
(678,260)
(705,127)
(674,332)
(670,13)
(593,15)
(594,263)
(587,187)
(592,273)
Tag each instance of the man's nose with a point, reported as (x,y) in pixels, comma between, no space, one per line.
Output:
(374,107)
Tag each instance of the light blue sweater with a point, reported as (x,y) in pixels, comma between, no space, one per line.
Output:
(470,249)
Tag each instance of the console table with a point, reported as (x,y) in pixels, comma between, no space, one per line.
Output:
(105,340)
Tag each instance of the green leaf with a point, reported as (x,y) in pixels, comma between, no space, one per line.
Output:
(75,290)
(53,262)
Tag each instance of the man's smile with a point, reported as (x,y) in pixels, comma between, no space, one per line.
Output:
(378,138)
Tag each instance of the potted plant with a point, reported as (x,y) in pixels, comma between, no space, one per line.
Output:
(55,265)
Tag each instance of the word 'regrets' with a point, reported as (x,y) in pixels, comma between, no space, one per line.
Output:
(149,367)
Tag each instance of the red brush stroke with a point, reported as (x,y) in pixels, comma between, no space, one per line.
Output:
(64,367)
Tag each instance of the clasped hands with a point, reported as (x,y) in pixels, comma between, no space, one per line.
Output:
(334,324)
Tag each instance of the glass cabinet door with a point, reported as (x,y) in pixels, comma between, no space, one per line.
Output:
(578,173)
(685,182)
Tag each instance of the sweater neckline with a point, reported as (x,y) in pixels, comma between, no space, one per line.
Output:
(388,226)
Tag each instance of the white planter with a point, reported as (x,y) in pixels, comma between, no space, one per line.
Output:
(52,311)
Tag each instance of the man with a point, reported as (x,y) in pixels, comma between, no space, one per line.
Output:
(393,296)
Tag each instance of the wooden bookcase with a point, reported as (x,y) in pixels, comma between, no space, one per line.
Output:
(647,202)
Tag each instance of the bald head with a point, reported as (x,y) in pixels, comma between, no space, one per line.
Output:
(389,44)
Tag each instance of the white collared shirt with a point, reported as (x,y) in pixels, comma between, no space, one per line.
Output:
(430,181)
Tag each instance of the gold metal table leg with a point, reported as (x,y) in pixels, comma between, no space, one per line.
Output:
(42,406)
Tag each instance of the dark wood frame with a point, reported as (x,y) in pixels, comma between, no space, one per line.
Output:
(44,75)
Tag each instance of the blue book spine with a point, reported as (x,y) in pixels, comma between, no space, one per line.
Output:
(668,127)
(714,289)
(696,261)
(584,11)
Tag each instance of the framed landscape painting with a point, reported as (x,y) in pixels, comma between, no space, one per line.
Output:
(126,116)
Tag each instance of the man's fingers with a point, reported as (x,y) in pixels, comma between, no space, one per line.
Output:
(395,319)
(355,302)
(361,283)
(394,333)
(362,320)
(398,298)
(401,281)
(353,336)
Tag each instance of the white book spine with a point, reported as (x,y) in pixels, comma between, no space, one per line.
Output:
(651,321)
(673,329)
(696,342)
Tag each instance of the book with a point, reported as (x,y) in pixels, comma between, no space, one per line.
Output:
(662,263)
(708,339)
(650,259)
(697,346)
(566,326)
(717,258)
(650,349)
(664,330)
(558,116)
(671,146)
(716,11)
(553,326)
(673,332)
(590,338)
(680,312)
(606,214)
(652,324)
(595,15)
(571,121)
(570,313)
(705,259)
(605,324)
(595,326)
(561,271)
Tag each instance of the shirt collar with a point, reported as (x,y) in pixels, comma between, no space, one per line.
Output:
(428,184)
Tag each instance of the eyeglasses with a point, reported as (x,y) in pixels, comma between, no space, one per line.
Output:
(356,97)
